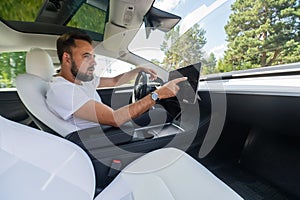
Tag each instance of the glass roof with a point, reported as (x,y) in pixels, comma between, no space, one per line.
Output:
(76,14)
(83,21)
(25,10)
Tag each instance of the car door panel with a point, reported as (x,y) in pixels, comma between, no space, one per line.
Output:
(12,108)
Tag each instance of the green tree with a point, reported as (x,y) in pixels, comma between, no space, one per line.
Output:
(185,49)
(155,61)
(82,20)
(25,10)
(262,33)
(12,64)
(209,65)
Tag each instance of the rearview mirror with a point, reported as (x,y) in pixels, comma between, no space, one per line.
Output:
(161,20)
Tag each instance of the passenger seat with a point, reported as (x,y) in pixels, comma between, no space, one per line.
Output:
(36,165)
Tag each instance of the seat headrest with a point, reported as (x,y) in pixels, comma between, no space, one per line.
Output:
(39,63)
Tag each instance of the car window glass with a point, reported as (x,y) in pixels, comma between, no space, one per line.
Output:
(11,64)
(83,21)
(225,35)
(24,10)
(110,67)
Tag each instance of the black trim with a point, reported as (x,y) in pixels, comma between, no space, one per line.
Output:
(46,28)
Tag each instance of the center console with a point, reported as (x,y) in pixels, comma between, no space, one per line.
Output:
(108,145)
(156,131)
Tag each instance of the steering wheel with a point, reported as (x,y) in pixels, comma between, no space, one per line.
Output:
(144,86)
(141,86)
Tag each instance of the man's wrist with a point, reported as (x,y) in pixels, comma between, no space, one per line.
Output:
(155,96)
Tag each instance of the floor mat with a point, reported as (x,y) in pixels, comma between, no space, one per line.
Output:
(247,185)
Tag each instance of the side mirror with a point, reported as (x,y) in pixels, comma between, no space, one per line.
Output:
(161,20)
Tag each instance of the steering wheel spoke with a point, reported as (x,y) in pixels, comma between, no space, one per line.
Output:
(142,86)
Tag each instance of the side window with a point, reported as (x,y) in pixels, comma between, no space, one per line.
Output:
(11,65)
(110,67)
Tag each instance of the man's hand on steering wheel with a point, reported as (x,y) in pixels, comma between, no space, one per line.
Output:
(151,72)
(142,85)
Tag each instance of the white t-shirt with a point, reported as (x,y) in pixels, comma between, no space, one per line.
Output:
(64,98)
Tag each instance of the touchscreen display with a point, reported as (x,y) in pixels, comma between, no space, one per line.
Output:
(188,89)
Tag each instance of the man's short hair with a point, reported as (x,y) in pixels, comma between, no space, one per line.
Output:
(67,40)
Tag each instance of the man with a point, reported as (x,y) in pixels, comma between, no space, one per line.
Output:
(72,94)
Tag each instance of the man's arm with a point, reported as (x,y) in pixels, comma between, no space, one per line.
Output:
(125,77)
(103,114)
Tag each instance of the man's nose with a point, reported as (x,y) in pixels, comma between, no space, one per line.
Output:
(93,61)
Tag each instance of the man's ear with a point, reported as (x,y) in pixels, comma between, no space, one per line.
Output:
(66,57)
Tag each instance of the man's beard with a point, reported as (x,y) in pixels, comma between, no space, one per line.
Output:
(79,75)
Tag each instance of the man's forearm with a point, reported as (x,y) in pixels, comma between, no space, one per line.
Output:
(132,111)
(126,77)
(119,79)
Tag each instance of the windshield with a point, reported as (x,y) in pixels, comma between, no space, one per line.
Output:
(225,35)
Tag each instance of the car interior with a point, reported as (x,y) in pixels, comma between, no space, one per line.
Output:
(235,137)
(67,172)
(32,87)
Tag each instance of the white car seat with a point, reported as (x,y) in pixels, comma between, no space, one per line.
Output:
(32,87)
(36,165)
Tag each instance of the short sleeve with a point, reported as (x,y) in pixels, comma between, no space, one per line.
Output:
(65,99)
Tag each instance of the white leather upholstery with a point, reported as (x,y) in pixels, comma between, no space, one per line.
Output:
(39,63)
(167,174)
(39,166)
(32,87)
(36,165)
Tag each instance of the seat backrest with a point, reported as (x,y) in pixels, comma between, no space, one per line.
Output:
(39,63)
(32,87)
(36,165)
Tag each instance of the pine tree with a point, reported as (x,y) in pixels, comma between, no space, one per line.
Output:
(185,49)
(262,33)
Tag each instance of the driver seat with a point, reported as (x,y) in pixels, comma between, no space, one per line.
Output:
(32,87)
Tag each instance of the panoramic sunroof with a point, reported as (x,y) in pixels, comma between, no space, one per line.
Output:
(74,13)
(25,10)
(89,18)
